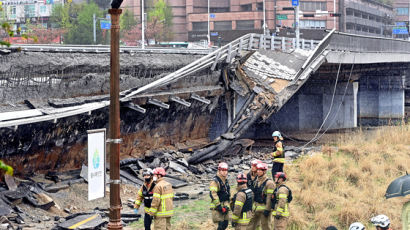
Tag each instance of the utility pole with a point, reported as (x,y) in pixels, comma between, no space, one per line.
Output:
(114,122)
(297,31)
(334,10)
(94,29)
(274,16)
(143,24)
(209,32)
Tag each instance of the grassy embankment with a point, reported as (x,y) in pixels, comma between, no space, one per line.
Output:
(337,186)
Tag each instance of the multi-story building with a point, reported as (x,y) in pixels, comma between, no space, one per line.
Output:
(402,16)
(21,12)
(230,19)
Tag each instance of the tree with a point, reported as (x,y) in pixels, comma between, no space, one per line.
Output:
(81,31)
(161,16)
(5,30)
(127,20)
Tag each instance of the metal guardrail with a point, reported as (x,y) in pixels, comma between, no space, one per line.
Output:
(106,49)
(226,53)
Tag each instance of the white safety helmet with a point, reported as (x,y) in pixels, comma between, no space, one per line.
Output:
(357,226)
(380,221)
(147,172)
(276,134)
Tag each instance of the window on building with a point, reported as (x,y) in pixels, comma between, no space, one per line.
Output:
(259,6)
(29,11)
(245,25)
(349,12)
(12,12)
(43,9)
(246,8)
(402,11)
(223,25)
(200,26)
(349,26)
(219,9)
(312,6)
(313,24)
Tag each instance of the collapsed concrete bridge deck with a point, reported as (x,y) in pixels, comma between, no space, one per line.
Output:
(245,89)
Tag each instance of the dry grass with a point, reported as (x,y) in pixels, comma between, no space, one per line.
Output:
(348,185)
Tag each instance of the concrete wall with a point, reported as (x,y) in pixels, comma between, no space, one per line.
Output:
(307,109)
(381,100)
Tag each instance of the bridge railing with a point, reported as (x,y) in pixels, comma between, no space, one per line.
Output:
(361,43)
(226,53)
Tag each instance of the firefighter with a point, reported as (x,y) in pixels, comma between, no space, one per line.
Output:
(381,222)
(282,196)
(263,190)
(241,204)
(278,153)
(7,168)
(161,207)
(252,176)
(219,190)
(145,193)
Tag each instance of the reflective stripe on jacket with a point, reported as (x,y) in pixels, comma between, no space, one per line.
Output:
(282,205)
(238,214)
(266,192)
(162,202)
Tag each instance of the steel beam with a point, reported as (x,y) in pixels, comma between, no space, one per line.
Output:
(201,99)
(135,107)
(180,101)
(158,103)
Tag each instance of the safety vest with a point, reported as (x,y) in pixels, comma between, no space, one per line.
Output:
(280,158)
(251,183)
(281,211)
(224,192)
(247,206)
(259,196)
(148,194)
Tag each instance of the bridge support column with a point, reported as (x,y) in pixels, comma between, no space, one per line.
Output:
(381,100)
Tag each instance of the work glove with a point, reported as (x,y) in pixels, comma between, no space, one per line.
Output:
(266,213)
(136,210)
(234,224)
(219,208)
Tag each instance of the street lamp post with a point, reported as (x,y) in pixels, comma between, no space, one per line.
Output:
(297,26)
(264,18)
(143,24)
(209,32)
(334,10)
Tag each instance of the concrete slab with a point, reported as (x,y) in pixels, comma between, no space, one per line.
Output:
(87,221)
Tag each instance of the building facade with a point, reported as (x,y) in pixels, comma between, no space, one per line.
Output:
(402,16)
(21,12)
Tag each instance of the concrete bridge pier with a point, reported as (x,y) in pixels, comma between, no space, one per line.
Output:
(381,99)
(309,108)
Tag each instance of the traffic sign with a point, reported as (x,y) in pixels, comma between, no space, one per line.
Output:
(105,24)
(281,16)
(400,30)
(212,15)
(295,2)
(400,24)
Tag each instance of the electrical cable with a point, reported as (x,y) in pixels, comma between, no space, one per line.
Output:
(337,111)
(330,109)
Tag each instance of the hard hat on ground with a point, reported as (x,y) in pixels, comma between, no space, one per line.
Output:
(159,171)
(262,166)
(223,166)
(241,178)
(357,226)
(380,221)
(147,172)
(280,175)
(276,134)
(255,162)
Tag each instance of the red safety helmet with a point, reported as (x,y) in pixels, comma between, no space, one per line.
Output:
(255,162)
(241,178)
(280,175)
(159,171)
(223,166)
(262,166)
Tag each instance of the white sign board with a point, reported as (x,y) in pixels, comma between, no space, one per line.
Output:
(96,163)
